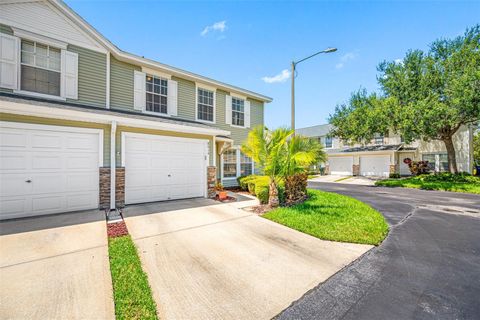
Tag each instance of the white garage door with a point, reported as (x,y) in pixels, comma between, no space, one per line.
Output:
(47,169)
(341,165)
(161,168)
(375,166)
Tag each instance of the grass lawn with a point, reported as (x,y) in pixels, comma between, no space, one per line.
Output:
(131,291)
(335,217)
(469,184)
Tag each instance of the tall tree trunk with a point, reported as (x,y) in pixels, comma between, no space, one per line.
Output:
(273,200)
(452,159)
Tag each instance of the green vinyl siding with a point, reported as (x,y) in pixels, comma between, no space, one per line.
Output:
(121,84)
(120,129)
(185,98)
(6,29)
(65,123)
(92,75)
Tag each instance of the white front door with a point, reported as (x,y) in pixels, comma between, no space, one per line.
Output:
(161,168)
(47,169)
(404,169)
(375,166)
(341,165)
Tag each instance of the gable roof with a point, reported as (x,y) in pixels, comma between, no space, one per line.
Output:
(315,131)
(131,58)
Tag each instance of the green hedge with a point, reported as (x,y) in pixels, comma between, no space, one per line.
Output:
(259,187)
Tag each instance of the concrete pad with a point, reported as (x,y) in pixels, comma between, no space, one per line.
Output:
(357,180)
(327,178)
(219,262)
(56,273)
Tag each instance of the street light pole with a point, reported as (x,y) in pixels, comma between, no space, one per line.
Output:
(294,65)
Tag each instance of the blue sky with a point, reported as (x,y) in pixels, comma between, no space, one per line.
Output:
(248,43)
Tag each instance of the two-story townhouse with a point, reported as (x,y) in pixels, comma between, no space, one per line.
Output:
(386,154)
(78,115)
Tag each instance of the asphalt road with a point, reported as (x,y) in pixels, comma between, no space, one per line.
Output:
(428,267)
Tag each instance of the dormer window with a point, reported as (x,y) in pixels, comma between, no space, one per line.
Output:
(40,68)
(157,93)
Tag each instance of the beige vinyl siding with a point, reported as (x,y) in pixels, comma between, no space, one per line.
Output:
(185,99)
(92,70)
(121,129)
(66,123)
(121,84)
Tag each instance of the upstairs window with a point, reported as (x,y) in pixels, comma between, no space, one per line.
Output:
(328,142)
(238,112)
(378,139)
(40,68)
(230,163)
(156,92)
(205,107)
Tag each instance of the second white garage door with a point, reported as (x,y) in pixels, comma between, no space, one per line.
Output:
(375,166)
(159,168)
(341,165)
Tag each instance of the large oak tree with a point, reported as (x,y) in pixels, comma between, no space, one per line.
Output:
(427,95)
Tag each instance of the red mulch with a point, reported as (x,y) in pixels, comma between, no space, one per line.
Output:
(116,229)
(229,199)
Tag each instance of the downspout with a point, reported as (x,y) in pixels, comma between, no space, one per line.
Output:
(112,165)
(214,149)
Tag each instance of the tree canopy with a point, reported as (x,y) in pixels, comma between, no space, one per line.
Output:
(427,95)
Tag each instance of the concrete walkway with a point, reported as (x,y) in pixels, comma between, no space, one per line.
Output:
(216,261)
(55,267)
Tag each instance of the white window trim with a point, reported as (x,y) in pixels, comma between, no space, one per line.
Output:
(244,113)
(61,97)
(238,164)
(156,73)
(214,103)
(161,114)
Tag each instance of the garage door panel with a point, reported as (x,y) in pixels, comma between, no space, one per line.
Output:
(137,144)
(46,160)
(61,164)
(341,165)
(50,141)
(375,165)
(172,166)
(11,160)
(13,139)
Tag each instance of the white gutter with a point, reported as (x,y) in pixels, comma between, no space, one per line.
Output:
(30,109)
(113,165)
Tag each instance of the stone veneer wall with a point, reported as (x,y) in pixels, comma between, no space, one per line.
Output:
(356,169)
(211,180)
(104,188)
(327,169)
(393,168)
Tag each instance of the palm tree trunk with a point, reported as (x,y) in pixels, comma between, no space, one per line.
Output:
(273,200)
(452,159)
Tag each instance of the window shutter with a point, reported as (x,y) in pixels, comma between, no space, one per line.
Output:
(172,99)
(139,90)
(247,114)
(228,109)
(71,75)
(9,61)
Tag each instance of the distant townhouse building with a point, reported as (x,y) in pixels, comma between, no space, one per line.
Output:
(386,154)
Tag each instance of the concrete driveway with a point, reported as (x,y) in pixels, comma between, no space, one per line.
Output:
(358,180)
(215,261)
(428,267)
(55,267)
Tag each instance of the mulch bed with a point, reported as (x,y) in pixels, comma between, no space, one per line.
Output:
(259,210)
(117,229)
(229,199)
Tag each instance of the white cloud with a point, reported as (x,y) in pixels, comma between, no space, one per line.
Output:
(220,26)
(281,77)
(345,58)
(399,61)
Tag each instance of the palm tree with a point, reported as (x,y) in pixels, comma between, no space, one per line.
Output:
(280,154)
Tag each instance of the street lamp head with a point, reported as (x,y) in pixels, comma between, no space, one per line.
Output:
(328,50)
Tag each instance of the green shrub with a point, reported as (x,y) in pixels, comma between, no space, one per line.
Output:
(244,180)
(394,175)
(251,187)
(463,177)
(262,194)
